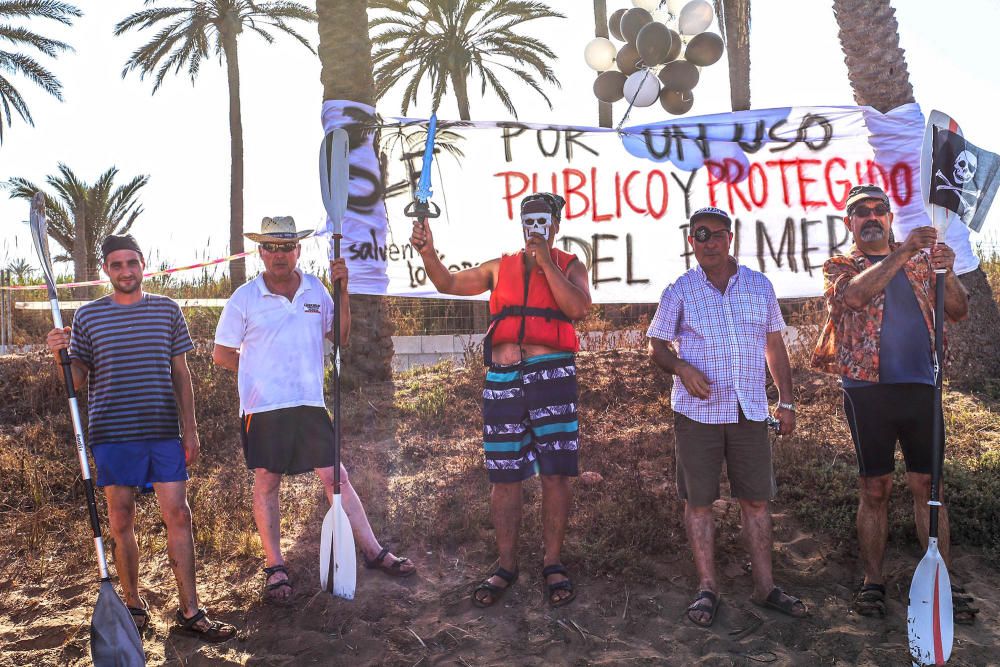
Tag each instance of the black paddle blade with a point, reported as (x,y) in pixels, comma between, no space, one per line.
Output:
(39,236)
(114,639)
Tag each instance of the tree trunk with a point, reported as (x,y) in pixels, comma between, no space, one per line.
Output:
(604,118)
(461,96)
(345,55)
(736,30)
(80,253)
(237,268)
(876,65)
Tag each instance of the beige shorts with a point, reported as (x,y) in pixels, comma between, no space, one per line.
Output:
(701,449)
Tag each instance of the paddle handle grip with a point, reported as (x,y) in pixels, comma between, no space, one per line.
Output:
(937,434)
(336,376)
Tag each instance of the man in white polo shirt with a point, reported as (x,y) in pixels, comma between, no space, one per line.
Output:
(272,333)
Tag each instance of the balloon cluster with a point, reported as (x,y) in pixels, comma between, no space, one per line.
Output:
(649,67)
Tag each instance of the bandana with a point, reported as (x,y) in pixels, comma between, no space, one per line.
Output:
(115,242)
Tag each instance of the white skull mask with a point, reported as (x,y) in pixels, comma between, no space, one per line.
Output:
(536,223)
(965,167)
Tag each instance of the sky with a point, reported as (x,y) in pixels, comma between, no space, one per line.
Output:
(180,135)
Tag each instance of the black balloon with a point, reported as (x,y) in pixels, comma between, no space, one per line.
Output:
(676,102)
(653,43)
(608,87)
(632,22)
(675,47)
(704,50)
(679,75)
(627,59)
(615,25)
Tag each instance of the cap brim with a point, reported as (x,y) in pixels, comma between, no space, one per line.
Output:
(715,216)
(281,237)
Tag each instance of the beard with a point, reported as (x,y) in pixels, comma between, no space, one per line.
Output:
(872,231)
(126,289)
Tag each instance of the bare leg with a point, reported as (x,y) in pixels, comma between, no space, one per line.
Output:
(873,524)
(364,536)
(266,486)
(176,515)
(121,517)
(920,487)
(701,536)
(756,517)
(556,498)
(505,502)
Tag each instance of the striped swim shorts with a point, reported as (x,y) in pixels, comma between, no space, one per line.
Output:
(530,424)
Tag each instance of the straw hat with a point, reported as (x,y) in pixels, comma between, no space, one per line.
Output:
(280,229)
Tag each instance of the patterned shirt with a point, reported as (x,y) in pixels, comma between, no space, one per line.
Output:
(723,335)
(129,349)
(849,343)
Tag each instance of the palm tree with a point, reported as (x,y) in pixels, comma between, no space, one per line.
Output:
(79,215)
(345,52)
(734,22)
(189,33)
(876,66)
(448,41)
(19,63)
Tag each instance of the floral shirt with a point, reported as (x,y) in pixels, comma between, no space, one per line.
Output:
(849,343)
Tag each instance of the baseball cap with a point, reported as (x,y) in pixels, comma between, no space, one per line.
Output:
(114,242)
(711,212)
(868,191)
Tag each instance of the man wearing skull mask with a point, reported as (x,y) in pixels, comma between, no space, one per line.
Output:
(880,339)
(715,329)
(529,400)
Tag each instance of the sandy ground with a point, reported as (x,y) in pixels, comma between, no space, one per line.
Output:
(427,619)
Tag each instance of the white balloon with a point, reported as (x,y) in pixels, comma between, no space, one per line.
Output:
(642,88)
(600,54)
(675,6)
(695,17)
(648,5)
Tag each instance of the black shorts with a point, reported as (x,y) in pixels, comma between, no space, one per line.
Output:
(288,441)
(881,414)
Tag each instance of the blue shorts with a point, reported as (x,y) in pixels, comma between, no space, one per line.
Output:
(140,463)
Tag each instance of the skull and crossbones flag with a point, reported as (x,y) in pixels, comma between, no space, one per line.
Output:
(964,178)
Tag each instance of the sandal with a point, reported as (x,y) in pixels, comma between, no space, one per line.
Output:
(269,589)
(140,615)
(781,601)
(215,633)
(494,592)
(870,600)
(564,585)
(393,569)
(697,606)
(963,611)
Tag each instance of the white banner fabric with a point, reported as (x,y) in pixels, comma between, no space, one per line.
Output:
(783,174)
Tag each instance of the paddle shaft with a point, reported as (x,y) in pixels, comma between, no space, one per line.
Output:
(336,412)
(937,449)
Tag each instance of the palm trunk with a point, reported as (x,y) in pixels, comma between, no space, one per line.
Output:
(876,65)
(604,118)
(736,17)
(461,96)
(345,55)
(238,268)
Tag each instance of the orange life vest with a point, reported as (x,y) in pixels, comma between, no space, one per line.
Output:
(528,313)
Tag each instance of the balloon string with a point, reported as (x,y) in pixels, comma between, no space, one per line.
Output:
(631,103)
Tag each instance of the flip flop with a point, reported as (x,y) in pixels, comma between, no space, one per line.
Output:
(713,598)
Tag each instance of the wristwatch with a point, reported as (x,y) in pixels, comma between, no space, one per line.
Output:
(787,406)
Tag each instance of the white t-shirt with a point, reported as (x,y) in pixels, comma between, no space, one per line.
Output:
(281,343)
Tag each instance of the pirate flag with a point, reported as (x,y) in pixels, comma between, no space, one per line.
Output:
(964,178)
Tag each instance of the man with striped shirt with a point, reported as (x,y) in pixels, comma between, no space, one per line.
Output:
(131,346)
(725,322)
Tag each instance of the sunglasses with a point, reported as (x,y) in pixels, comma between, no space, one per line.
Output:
(279,247)
(865,211)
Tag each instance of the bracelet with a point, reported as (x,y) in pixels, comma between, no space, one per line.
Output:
(787,406)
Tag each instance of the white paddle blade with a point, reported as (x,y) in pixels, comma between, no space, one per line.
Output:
(337,537)
(940,217)
(929,619)
(334,176)
(39,237)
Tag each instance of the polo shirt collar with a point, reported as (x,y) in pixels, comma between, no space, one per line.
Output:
(264,291)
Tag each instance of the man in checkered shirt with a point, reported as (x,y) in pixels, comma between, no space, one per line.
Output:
(714,329)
